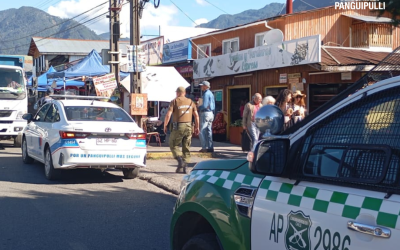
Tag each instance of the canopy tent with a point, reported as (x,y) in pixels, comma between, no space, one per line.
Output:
(91,65)
(42,79)
(159,83)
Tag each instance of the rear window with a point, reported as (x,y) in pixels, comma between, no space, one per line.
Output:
(96,114)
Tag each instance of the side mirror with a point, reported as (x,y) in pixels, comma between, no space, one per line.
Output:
(269,157)
(28,117)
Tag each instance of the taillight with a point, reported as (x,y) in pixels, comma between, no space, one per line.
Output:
(73,135)
(136,136)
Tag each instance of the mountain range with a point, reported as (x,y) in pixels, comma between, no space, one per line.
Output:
(270,10)
(15,34)
(17,26)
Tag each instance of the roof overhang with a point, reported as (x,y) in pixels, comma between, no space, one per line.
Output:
(370,19)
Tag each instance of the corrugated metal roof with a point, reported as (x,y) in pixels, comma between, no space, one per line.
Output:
(72,46)
(370,19)
(341,57)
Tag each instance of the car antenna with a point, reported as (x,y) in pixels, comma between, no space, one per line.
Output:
(92,102)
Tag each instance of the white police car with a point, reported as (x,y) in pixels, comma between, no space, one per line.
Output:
(82,133)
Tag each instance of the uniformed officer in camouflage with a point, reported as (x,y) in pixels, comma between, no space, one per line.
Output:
(182,109)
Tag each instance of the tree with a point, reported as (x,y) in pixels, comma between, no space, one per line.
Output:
(393,7)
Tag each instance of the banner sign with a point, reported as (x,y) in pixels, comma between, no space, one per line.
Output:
(105,85)
(131,54)
(177,51)
(138,104)
(153,51)
(184,69)
(305,50)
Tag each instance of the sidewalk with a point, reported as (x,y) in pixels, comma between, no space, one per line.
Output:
(221,150)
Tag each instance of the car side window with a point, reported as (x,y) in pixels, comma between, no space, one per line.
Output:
(357,143)
(41,114)
(52,115)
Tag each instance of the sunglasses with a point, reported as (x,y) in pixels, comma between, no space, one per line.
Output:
(299,96)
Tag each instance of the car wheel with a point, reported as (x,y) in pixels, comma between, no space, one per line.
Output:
(203,242)
(25,157)
(130,173)
(49,170)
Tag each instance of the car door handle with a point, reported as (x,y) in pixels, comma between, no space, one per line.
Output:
(367,229)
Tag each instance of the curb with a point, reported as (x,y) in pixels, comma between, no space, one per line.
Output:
(159,181)
(168,155)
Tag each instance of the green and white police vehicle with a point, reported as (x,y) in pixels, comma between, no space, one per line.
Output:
(329,183)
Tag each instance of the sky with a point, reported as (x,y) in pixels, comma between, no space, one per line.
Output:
(167,14)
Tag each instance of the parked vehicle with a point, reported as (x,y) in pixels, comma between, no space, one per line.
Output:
(333,183)
(13,99)
(83,132)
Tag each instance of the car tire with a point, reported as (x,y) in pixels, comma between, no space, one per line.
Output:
(49,170)
(25,156)
(130,173)
(203,242)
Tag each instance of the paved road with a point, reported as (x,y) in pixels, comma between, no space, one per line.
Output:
(86,209)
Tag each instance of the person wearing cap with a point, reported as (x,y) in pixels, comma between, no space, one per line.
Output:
(206,118)
(181,109)
(249,115)
(299,106)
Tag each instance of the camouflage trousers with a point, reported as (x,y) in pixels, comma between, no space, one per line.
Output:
(182,135)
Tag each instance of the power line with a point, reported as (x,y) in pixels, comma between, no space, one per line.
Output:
(183,12)
(217,7)
(79,24)
(67,20)
(70,28)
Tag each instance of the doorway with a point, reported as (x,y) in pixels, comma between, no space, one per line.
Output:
(322,93)
(238,97)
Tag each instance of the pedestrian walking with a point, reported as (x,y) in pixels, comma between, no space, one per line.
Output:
(299,106)
(284,102)
(206,118)
(249,115)
(268,100)
(181,109)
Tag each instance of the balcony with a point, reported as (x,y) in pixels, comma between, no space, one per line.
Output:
(374,36)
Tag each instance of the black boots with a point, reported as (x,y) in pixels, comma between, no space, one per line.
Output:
(181,164)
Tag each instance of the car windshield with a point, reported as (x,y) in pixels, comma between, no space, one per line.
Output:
(82,113)
(12,84)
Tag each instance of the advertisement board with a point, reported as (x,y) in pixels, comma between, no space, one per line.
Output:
(177,51)
(105,85)
(138,104)
(153,51)
(141,60)
(301,51)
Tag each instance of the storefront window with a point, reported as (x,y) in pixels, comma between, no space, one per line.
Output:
(321,93)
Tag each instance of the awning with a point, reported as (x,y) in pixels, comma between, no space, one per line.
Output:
(159,83)
(370,19)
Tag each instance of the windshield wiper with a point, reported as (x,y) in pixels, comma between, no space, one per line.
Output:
(8,91)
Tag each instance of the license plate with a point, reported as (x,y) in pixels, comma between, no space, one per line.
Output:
(106,141)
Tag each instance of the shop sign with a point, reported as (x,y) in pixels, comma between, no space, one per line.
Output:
(346,75)
(184,69)
(177,51)
(138,104)
(153,50)
(105,85)
(288,53)
(283,78)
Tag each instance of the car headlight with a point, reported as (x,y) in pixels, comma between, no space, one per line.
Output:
(20,114)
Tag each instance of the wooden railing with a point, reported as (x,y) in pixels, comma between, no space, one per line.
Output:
(365,35)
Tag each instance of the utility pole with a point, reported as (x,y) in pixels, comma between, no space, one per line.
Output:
(135,40)
(114,38)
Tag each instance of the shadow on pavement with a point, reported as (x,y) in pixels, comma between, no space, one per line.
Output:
(111,218)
